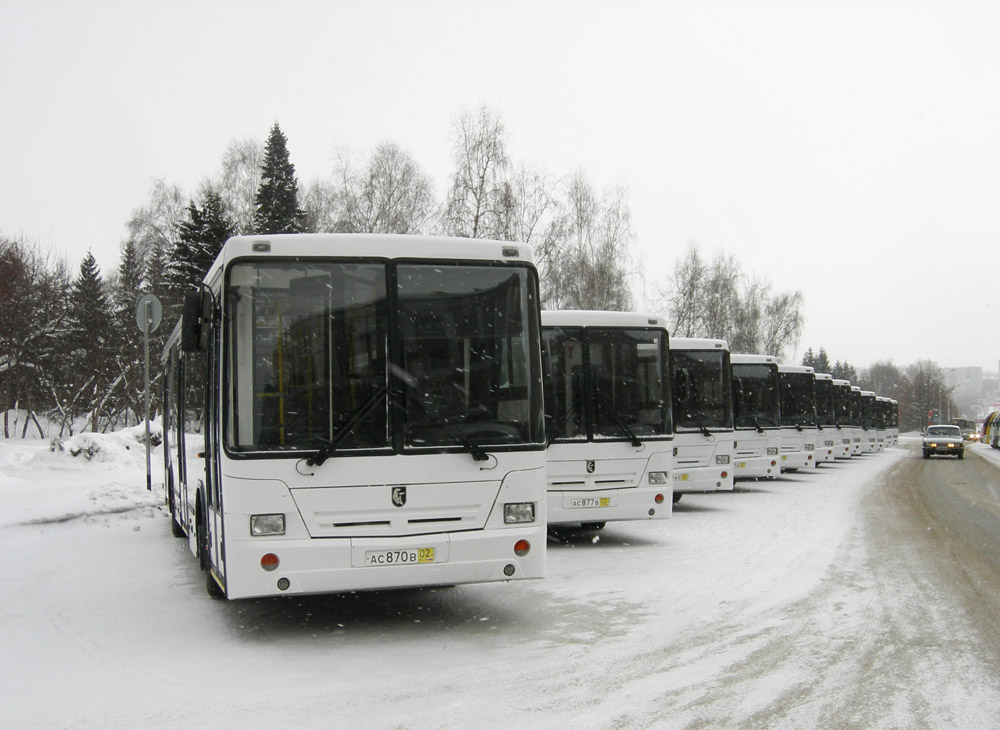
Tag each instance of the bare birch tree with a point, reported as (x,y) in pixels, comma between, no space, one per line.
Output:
(239,180)
(590,266)
(684,301)
(479,193)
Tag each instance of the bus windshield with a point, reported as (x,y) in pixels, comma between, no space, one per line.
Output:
(605,383)
(798,399)
(842,404)
(701,389)
(755,396)
(824,403)
(327,354)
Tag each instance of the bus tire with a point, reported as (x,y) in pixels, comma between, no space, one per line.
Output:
(677,497)
(212,587)
(201,534)
(175,527)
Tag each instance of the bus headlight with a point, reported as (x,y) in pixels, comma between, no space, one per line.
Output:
(809,447)
(722,458)
(515,512)
(262,525)
(772,450)
(658,477)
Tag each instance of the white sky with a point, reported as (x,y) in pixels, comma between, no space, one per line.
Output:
(850,150)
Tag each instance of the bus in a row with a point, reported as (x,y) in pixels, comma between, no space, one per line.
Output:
(385,411)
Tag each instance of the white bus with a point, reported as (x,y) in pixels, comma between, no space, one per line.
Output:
(842,413)
(882,406)
(857,418)
(372,411)
(798,416)
(607,410)
(756,416)
(893,426)
(869,438)
(701,393)
(826,420)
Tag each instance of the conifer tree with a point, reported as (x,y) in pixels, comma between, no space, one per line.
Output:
(201,239)
(277,203)
(126,388)
(88,369)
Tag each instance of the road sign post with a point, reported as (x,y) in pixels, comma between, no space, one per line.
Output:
(148,313)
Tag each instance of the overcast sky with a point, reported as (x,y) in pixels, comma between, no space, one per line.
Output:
(850,150)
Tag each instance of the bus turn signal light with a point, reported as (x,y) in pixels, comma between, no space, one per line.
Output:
(522,548)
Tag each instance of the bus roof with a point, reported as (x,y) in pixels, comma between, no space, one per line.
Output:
(697,343)
(744,359)
(370,245)
(596,318)
(786,368)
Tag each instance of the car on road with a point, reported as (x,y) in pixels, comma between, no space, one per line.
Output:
(943,439)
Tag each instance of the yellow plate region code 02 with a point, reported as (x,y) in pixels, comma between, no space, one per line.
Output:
(579,502)
(411,556)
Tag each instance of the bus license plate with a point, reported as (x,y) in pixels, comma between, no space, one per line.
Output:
(579,502)
(411,556)
(680,477)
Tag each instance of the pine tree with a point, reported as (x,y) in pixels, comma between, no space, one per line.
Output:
(127,387)
(201,239)
(809,359)
(822,362)
(277,200)
(89,368)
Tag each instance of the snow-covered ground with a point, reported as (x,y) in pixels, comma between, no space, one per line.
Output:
(105,622)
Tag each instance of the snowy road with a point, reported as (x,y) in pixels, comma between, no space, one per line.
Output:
(825,599)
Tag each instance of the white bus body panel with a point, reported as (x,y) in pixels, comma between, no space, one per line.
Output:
(607,482)
(757,455)
(345,515)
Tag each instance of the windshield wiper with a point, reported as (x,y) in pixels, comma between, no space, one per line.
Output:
(473,448)
(357,415)
(559,426)
(701,426)
(615,420)
(757,425)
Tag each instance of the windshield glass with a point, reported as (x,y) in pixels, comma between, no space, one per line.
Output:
(798,399)
(470,371)
(755,396)
(310,357)
(701,389)
(867,411)
(948,431)
(824,403)
(605,383)
(842,404)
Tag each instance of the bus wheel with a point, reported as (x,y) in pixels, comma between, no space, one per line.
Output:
(175,527)
(677,497)
(212,587)
(593,525)
(201,535)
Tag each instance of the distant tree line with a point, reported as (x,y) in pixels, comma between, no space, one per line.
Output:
(70,350)
(919,389)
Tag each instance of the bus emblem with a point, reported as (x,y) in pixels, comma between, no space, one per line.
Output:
(591,466)
(399,496)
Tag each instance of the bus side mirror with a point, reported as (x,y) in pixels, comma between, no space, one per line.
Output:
(196,320)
